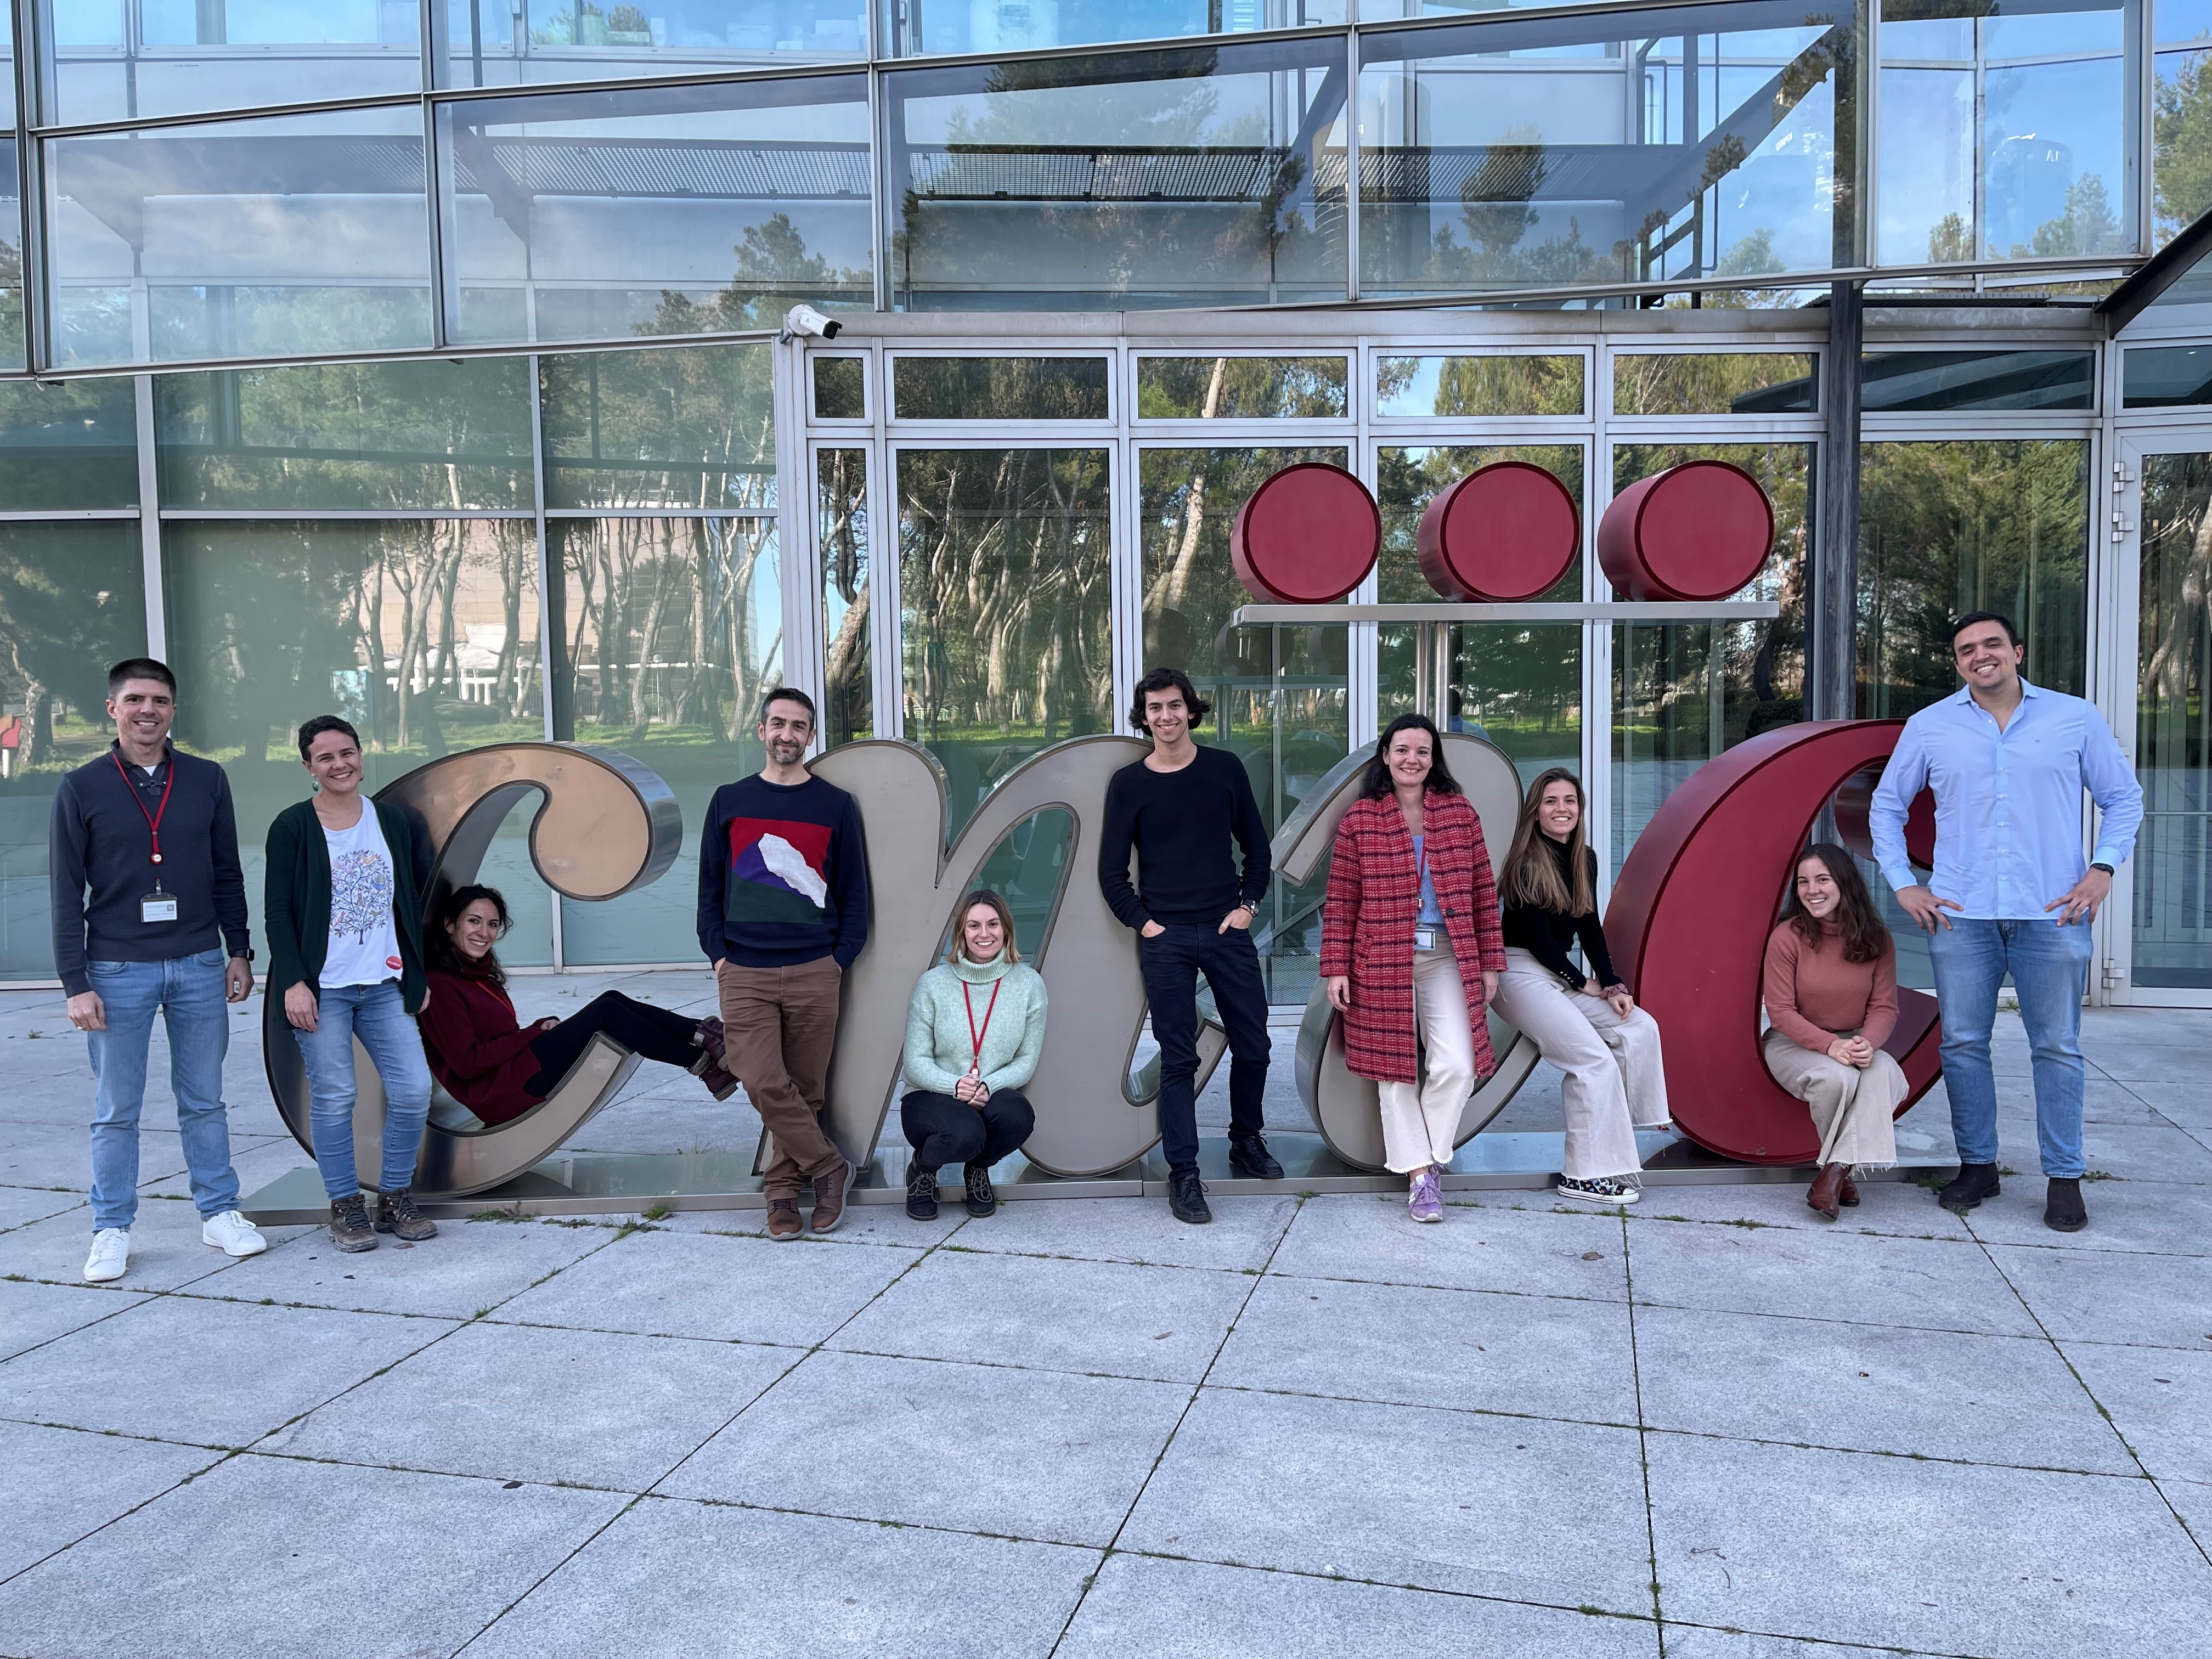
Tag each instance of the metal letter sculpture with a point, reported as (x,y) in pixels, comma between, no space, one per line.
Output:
(1088,1122)
(608,825)
(1504,533)
(1347,1108)
(1310,533)
(1689,920)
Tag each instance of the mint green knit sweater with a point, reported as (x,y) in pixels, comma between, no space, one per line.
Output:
(939,1049)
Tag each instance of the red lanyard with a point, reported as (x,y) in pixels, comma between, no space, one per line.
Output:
(974,1035)
(153,818)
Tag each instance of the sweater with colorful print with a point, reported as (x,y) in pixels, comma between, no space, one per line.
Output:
(783,875)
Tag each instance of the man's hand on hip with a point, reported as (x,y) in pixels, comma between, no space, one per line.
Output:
(2083,900)
(87,1012)
(1924,908)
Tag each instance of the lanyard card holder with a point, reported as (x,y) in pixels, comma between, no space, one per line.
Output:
(1424,939)
(157,905)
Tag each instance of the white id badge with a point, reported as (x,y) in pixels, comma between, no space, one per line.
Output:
(158,906)
(1424,939)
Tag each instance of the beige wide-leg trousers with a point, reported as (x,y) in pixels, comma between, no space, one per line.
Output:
(1421,1121)
(1615,1080)
(1855,1111)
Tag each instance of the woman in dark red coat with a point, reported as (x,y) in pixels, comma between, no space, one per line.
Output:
(498,1067)
(1410,936)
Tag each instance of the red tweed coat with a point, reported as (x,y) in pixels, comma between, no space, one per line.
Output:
(1367,926)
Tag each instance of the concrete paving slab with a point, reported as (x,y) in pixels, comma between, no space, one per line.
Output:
(2183,1101)
(2134,1151)
(1244,1233)
(2142,1044)
(1105,1318)
(1329,1503)
(265,1555)
(1897,1209)
(1032,1453)
(165,1250)
(1465,1350)
(2157,1218)
(1931,1393)
(2111,1296)
(2192,1501)
(258,1164)
(212,1373)
(599,1409)
(1952,1558)
(864,1223)
(469,1266)
(694,1121)
(743,1290)
(2160,1400)
(1922,1284)
(1169,1609)
(32,1312)
(739,1583)
(21,1205)
(1702,1642)
(42,1154)
(65,1482)
(1353,1236)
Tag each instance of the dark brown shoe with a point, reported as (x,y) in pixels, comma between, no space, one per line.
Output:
(2062,1209)
(395,1214)
(1850,1195)
(830,1197)
(1827,1188)
(720,1084)
(350,1228)
(783,1219)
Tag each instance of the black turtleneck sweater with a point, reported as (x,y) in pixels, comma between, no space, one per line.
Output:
(1546,934)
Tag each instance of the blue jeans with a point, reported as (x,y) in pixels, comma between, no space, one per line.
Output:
(1172,962)
(375,1015)
(2049,966)
(188,991)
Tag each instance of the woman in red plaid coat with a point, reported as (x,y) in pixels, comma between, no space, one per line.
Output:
(1411,939)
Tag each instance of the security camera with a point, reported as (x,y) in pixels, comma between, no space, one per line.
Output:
(806,319)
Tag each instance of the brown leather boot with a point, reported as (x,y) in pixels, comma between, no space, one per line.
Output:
(1827,1188)
(1850,1192)
(830,1197)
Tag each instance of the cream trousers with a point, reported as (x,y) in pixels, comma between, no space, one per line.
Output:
(1855,1111)
(1421,1121)
(1612,1077)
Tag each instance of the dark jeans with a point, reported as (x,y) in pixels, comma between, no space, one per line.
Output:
(944,1130)
(656,1033)
(1231,962)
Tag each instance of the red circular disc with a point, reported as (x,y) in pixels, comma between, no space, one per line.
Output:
(1504,533)
(1307,535)
(1700,530)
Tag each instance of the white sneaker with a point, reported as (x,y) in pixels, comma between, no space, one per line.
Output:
(233,1235)
(111,1255)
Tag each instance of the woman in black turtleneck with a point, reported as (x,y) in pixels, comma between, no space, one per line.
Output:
(1586,1023)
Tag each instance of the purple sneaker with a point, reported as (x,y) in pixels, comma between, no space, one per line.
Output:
(1425,1202)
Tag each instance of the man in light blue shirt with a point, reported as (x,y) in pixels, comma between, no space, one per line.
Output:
(2007,761)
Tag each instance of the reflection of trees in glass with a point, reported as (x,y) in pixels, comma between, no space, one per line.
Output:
(1706,383)
(693,427)
(72,600)
(847,709)
(999,388)
(1241,388)
(2173,726)
(1482,385)
(1946,528)
(2181,127)
(69,444)
(1004,598)
(775,269)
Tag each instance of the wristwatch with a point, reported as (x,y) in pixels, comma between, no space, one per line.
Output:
(2106,868)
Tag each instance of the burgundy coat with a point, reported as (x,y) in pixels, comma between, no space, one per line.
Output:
(1367,926)
(476,1048)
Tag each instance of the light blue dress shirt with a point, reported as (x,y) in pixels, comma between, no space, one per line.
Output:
(1433,913)
(2008,802)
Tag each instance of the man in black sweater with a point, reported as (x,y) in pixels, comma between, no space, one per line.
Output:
(783,909)
(146,888)
(1178,809)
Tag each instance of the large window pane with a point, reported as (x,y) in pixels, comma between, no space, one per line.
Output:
(503,43)
(1685,691)
(118,62)
(1004,599)
(1419,388)
(1712,383)
(665,633)
(1530,153)
(72,600)
(2172,943)
(432,435)
(1976,380)
(293,235)
(916,27)
(847,684)
(999,388)
(1242,388)
(1946,528)
(1280,695)
(11,257)
(423,633)
(1212,176)
(2181,129)
(694,428)
(594,216)
(2166,377)
(68,444)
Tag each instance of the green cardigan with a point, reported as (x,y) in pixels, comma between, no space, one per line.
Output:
(296,896)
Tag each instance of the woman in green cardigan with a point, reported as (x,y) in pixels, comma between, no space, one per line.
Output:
(974,1031)
(343,909)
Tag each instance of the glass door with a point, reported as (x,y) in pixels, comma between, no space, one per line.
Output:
(2160,930)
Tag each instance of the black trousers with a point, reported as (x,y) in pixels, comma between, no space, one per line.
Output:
(1172,961)
(656,1033)
(943,1130)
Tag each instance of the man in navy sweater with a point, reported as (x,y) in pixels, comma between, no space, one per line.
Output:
(146,888)
(783,909)
(1178,809)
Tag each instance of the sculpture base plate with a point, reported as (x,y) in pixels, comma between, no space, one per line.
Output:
(630,1183)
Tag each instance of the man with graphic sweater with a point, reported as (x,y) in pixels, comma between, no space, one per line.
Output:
(783,909)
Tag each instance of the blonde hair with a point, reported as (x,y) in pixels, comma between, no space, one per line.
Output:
(982,896)
(1532,875)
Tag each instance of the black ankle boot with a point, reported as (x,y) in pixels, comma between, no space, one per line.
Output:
(922,1192)
(2063,1210)
(1972,1184)
(979,1200)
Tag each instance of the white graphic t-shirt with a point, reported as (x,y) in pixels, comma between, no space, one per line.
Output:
(364,947)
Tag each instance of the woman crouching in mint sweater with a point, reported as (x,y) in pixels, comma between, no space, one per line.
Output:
(973,1034)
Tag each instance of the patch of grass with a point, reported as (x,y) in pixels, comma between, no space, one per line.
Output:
(656,1213)
(2098,1175)
(515,1214)
(1745,1221)
(2007,1169)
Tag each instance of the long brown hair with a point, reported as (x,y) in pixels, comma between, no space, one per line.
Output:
(1865,938)
(1531,874)
(982,896)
